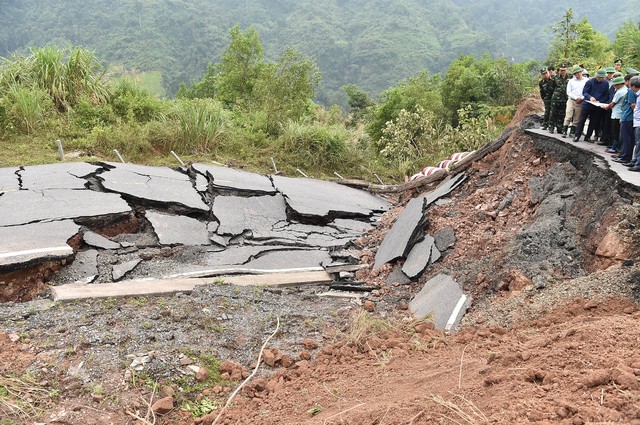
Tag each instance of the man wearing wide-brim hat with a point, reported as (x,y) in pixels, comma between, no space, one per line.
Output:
(574,102)
(595,90)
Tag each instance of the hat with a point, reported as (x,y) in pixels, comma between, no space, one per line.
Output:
(632,71)
(576,69)
(601,73)
(618,60)
(618,80)
(610,70)
(543,71)
(563,67)
(618,74)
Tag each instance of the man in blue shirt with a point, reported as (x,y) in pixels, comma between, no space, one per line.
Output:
(595,90)
(627,140)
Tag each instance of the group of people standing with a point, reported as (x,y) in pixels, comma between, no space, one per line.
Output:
(607,101)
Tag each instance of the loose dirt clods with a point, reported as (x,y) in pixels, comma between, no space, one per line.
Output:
(544,242)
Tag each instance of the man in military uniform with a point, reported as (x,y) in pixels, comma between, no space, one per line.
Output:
(546,91)
(559,99)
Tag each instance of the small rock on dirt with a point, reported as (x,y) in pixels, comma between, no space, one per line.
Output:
(163,406)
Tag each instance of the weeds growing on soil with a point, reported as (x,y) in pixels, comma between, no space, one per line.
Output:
(23,397)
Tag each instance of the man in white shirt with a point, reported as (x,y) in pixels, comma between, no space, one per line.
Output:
(574,103)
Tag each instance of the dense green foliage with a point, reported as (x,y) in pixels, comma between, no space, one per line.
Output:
(372,44)
(248,105)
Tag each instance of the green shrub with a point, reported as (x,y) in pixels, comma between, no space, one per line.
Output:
(314,145)
(87,115)
(131,102)
(26,109)
(191,126)
(130,139)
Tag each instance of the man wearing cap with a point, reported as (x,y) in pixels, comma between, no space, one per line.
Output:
(605,124)
(595,90)
(632,71)
(627,139)
(559,99)
(616,111)
(574,102)
(617,65)
(635,86)
(546,91)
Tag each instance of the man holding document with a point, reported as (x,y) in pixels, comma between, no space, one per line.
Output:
(596,96)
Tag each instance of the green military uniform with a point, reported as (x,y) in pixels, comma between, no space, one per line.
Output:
(558,102)
(546,91)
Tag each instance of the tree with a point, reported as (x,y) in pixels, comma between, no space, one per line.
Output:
(627,43)
(358,101)
(566,34)
(239,67)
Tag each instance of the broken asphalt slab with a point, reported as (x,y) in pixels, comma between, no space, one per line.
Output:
(177,229)
(405,232)
(442,297)
(236,180)
(83,269)
(444,188)
(9,180)
(159,185)
(33,243)
(98,241)
(120,270)
(418,257)
(259,214)
(57,176)
(319,198)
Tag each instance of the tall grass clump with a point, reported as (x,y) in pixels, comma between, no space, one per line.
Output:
(25,109)
(314,145)
(191,126)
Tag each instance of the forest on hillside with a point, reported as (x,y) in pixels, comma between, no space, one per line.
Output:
(372,44)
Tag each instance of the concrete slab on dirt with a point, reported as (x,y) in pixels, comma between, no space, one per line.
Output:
(229,178)
(444,188)
(442,297)
(318,198)
(156,184)
(418,257)
(186,285)
(27,206)
(120,270)
(178,230)
(404,233)
(57,176)
(37,242)
(627,176)
(259,214)
(98,241)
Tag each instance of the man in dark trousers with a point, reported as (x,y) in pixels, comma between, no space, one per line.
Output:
(546,91)
(595,90)
(559,99)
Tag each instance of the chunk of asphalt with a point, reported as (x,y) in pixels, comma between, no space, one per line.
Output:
(256,213)
(9,180)
(444,238)
(435,254)
(441,297)
(232,179)
(83,269)
(405,232)
(57,176)
(319,198)
(397,276)
(35,243)
(98,241)
(120,270)
(159,185)
(289,259)
(177,229)
(27,206)
(418,257)
(444,188)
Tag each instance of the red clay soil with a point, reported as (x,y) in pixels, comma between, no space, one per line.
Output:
(576,365)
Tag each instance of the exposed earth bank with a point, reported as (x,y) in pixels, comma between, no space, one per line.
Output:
(545,243)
